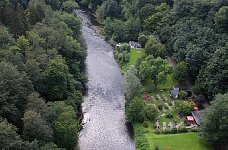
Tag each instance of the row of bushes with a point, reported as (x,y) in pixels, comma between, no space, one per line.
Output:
(140,138)
(175,131)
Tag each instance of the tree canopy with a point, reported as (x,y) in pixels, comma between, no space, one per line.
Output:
(214,126)
(41,61)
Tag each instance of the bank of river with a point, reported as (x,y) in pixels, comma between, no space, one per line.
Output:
(103,107)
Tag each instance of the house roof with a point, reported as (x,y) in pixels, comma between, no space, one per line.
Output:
(190,118)
(197,116)
(201,99)
(174,94)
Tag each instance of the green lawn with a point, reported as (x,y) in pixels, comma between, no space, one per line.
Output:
(184,141)
(134,55)
(168,85)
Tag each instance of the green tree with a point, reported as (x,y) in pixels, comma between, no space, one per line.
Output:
(23,44)
(34,72)
(185,107)
(182,8)
(210,80)
(5,37)
(108,27)
(132,28)
(155,69)
(135,110)
(151,112)
(112,9)
(100,13)
(37,104)
(35,127)
(13,16)
(109,8)
(9,139)
(118,30)
(221,17)
(214,126)
(36,11)
(133,84)
(69,6)
(55,4)
(142,39)
(122,57)
(14,89)
(180,72)
(65,129)
(146,11)
(154,47)
(71,20)
(157,20)
(56,79)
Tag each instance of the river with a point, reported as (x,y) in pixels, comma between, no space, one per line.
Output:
(103,107)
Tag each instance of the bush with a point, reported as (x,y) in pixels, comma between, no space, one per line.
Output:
(156,147)
(140,139)
(167,131)
(122,57)
(170,104)
(160,106)
(194,130)
(125,47)
(174,130)
(151,112)
(185,107)
(182,94)
(135,111)
(182,130)
(166,107)
(142,39)
(169,115)
(157,132)
(145,124)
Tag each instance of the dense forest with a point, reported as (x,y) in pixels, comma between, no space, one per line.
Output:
(194,32)
(42,76)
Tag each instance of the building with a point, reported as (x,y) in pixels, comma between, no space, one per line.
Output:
(197,117)
(174,94)
(135,44)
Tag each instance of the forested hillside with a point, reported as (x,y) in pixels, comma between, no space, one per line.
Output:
(193,31)
(41,74)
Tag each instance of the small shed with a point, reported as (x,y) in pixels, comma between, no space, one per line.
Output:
(174,94)
(135,44)
(197,116)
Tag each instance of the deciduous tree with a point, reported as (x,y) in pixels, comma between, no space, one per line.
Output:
(133,84)
(215,119)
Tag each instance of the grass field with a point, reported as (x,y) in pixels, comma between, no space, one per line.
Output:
(134,55)
(184,141)
(168,85)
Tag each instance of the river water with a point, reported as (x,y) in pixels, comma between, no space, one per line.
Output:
(103,107)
